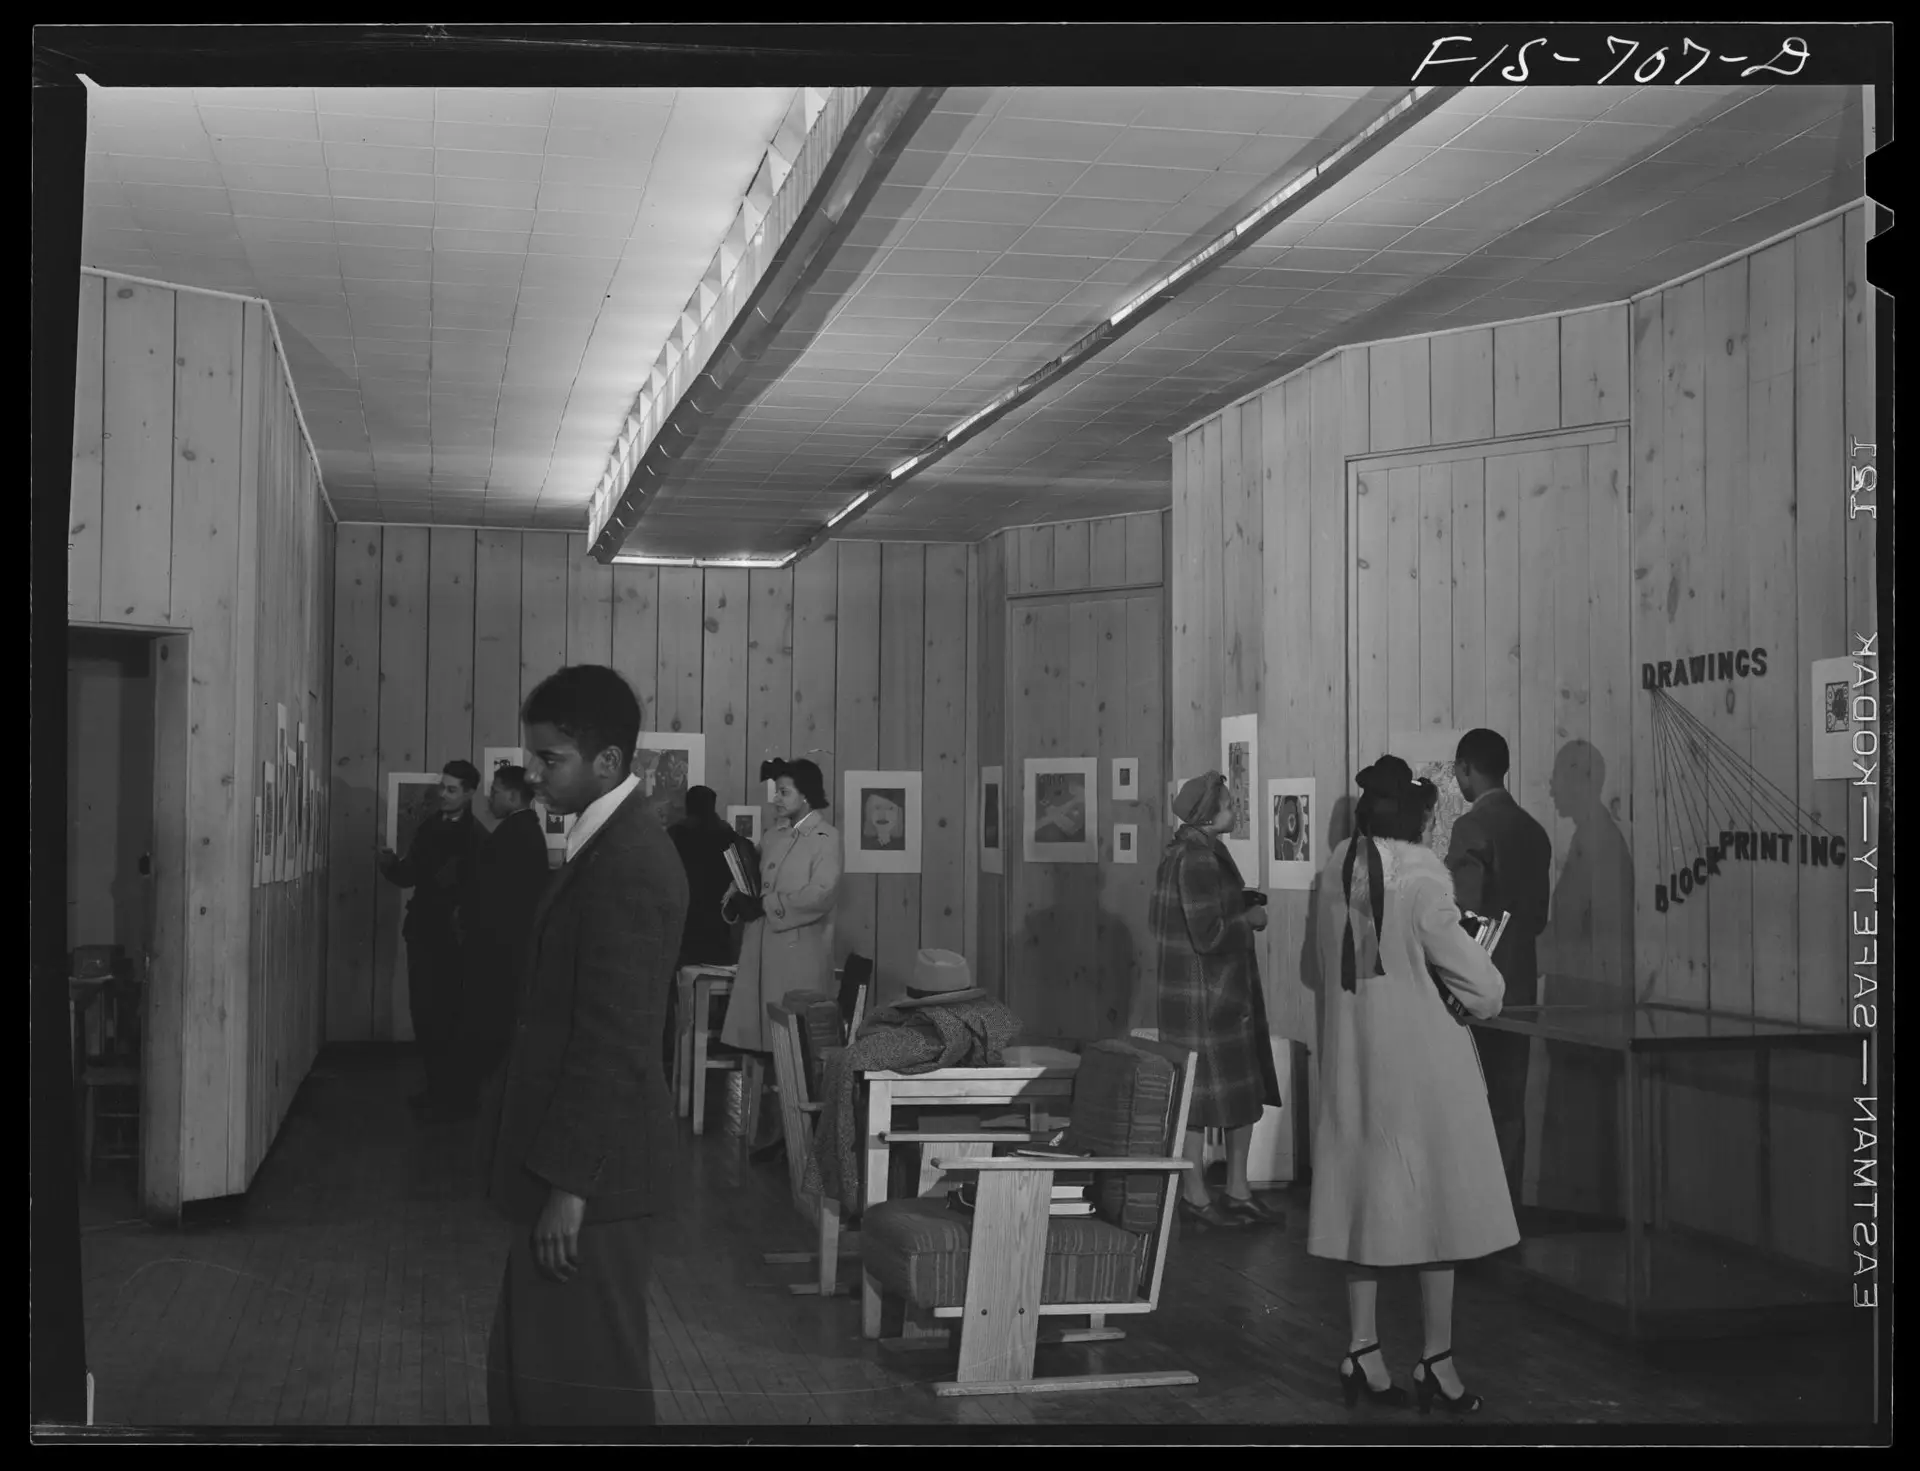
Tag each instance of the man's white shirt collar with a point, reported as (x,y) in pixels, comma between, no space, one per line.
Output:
(598,811)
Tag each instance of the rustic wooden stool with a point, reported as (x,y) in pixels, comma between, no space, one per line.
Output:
(699,987)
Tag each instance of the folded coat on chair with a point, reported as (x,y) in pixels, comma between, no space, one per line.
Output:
(920,1040)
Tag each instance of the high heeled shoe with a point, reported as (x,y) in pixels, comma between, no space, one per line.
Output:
(1427,1390)
(1352,1384)
(1210,1214)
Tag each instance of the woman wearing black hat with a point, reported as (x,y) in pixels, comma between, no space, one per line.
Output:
(788,944)
(1210,998)
(1406,1165)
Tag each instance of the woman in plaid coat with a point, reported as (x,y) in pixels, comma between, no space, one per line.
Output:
(1210,998)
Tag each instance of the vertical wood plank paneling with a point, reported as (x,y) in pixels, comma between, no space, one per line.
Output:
(1593,366)
(136,521)
(84,500)
(1435,571)
(1649,635)
(1071,555)
(450,644)
(857,725)
(636,635)
(1468,492)
(1107,550)
(1402,401)
(902,708)
(543,608)
(1531,740)
(1209,544)
(816,622)
(1685,534)
(1503,595)
(1333,401)
(1572,683)
(769,676)
(1187,718)
(496,640)
(1372,505)
(1144,536)
(971,897)
(1074,929)
(1146,712)
(1042,656)
(1462,386)
(1242,533)
(1114,959)
(203,584)
(589,606)
(1402,653)
(724,684)
(354,783)
(1526,377)
(403,735)
(163,1095)
(1773,603)
(682,611)
(991,564)
(1728,714)
(1612,717)
(945,857)
(1032,563)
(1820,454)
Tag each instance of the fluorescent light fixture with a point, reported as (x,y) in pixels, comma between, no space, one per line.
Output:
(847,510)
(899,470)
(634,559)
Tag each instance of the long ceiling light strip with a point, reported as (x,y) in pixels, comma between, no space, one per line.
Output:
(1263,218)
(754,563)
(749,224)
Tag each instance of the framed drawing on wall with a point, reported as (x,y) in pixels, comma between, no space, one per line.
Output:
(1291,809)
(746,822)
(992,810)
(669,763)
(881,813)
(1060,819)
(1240,764)
(1126,779)
(1126,843)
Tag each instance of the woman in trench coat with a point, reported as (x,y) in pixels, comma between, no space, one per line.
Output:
(1210,1000)
(788,945)
(1406,1165)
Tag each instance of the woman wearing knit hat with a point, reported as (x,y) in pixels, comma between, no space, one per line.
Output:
(1209,997)
(1406,1165)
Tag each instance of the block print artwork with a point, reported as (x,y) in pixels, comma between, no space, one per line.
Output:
(1293,828)
(1060,807)
(883,819)
(663,782)
(1239,789)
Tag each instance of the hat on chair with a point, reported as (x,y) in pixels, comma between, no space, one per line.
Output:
(941,978)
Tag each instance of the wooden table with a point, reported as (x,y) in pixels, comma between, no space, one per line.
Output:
(1049,1075)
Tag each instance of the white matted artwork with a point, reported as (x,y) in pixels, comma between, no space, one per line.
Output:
(746,822)
(669,763)
(1240,764)
(555,826)
(1832,707)
(1430,753)
(1061,814)
(270,826)
(1126,778)
(412,797)
(881,813)
(993,807)
(1291,808)
(1126,842)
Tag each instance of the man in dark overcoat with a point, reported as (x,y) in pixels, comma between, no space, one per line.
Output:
(577,1132)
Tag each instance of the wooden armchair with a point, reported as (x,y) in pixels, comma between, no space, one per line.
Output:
(1014,1262)
(796,1025)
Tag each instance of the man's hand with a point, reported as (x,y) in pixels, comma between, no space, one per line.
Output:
(556,1235)
(1257,917)
(388,857)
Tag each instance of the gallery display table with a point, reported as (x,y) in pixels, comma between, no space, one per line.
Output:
(1645,1277)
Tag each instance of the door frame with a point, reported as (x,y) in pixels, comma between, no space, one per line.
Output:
(162,1030)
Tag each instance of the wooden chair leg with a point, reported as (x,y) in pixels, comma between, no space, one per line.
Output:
(698,1071)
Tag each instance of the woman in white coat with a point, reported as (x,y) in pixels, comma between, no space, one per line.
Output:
(788,944)
(1406,1165)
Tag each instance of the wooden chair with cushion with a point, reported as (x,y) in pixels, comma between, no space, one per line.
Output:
(998,1272)
(698,987)
(805,1026)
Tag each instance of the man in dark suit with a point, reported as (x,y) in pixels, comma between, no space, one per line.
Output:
(1502,862)
(578,1131)
(438,868)
(509,876)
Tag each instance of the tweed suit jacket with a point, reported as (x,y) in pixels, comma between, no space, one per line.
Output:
(580,1103)
(1502,861)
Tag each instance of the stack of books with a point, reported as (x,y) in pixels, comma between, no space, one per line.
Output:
(1486,931)
(1070,1200)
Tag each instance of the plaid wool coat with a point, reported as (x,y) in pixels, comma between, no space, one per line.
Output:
(1209,991)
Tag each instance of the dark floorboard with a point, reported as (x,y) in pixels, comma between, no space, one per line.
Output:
(355,1285)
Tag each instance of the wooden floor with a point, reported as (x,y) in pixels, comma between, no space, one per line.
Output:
(355,1284)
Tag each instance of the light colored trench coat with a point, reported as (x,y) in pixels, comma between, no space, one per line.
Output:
(1406,1166)
(792,948)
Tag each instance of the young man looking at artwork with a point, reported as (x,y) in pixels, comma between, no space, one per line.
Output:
(439,868)
(577,1131)
(1502,863)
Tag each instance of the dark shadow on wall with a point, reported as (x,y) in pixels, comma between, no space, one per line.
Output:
(1065,992)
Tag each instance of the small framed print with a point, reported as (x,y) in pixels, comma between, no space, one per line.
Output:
(992,812)
(1061,814)
(882,817)
(1126,843)
(746,822)
(1126,779)
(1832,709)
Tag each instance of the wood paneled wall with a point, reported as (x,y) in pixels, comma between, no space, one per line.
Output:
(855,658)
(1074,645)
(1739,388)
(197,513)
